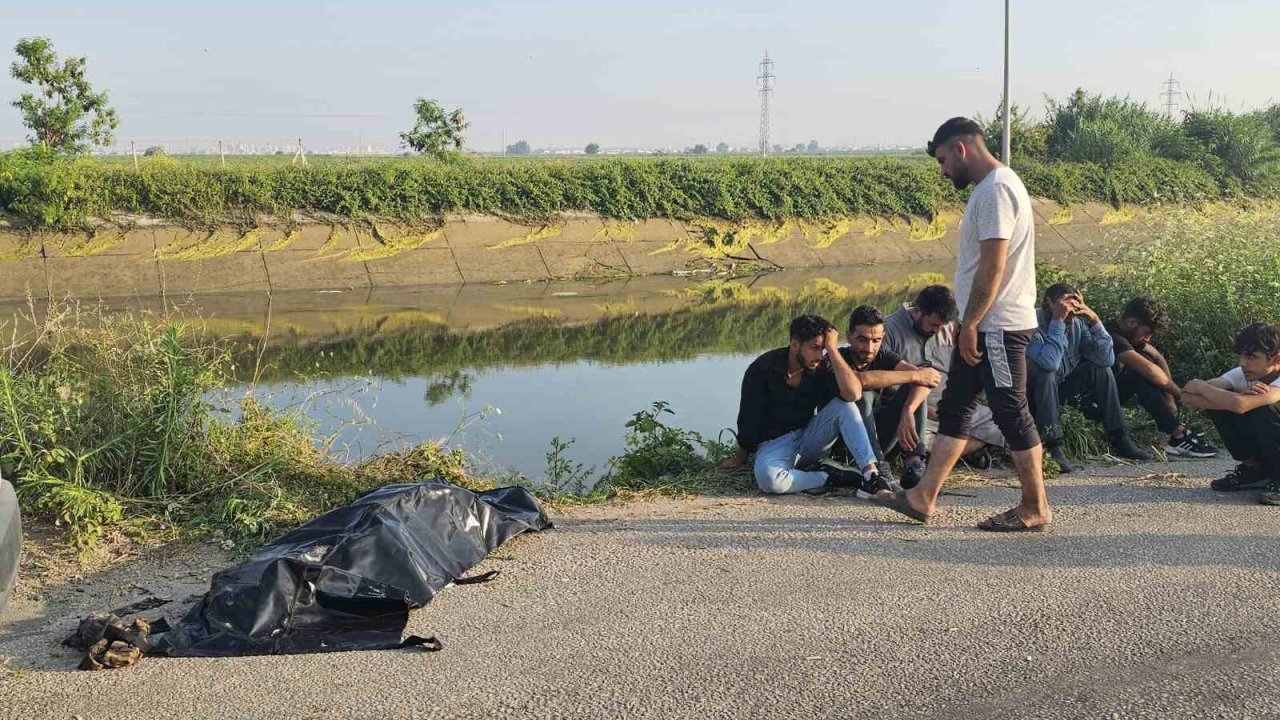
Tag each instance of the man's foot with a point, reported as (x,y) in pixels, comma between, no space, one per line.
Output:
(899,503)
(1271,496)
(913,473)
(840,476)
(882,467)
(1191,444)
(1123,446)
(1060,456)
(1011,521)
(874,484)
(1243,477)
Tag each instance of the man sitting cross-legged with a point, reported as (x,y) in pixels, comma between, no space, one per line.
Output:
(781,392)
(893,415)
(1141,370)
(1245,406)
(923,333)
(1070,361)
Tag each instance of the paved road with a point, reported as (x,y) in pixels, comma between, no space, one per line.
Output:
(1151,598)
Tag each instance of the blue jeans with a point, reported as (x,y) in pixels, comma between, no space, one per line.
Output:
(776,459)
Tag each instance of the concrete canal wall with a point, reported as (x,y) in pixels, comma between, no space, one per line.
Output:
(153,259)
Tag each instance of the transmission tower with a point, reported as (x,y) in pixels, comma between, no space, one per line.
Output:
(1170,94)
(766,78)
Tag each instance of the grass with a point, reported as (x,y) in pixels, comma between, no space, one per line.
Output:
(52,192)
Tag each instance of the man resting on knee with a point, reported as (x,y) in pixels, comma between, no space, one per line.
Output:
(796,400)
(1071,355)
(1244,404)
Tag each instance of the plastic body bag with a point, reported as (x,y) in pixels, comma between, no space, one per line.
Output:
(348,579)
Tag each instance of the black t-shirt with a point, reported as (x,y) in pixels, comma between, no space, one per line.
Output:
(770,407)
(886,359)
(1118,340)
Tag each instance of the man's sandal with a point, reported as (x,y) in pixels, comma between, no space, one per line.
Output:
(898,503)
(1008,521)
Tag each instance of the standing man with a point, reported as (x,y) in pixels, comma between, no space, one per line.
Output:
(996,289)
(796,400)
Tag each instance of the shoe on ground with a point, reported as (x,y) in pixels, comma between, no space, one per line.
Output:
(1124,447)
(882,466)
(1271,496)
(840,475)
(1243,477)
(912,474)
(1060,456)
(872,485)
(1191,444)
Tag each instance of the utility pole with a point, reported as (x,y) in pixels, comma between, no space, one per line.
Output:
(299,155)
(222,155)
(134,152)
(1005,144)
(766,78)
(1170,94)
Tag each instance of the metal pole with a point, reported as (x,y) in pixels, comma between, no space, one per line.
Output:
(1005,153)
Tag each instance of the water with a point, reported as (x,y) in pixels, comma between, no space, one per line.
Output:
(501,370)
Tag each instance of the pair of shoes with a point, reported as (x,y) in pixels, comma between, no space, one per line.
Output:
(1243,477)
(1060,456)
(882,467)
(873,484)
(1271,496)
(839,475)
(1191,444)
(1122,446)
(913,473)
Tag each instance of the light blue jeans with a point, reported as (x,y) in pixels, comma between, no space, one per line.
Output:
(776,459)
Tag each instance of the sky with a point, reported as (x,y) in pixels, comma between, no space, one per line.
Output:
(655,74)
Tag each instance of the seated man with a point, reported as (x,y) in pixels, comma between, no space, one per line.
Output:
(1070,359)
(923,334)
(1141,370)
(781,392)
(1245,406)
(893,415)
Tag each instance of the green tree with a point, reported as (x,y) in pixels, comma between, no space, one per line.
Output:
(593,149)
(722,147)
(435,133)
(65,113)
(699,149)
(813,147)
(519,148)
(1028,138)
(1091,128)
(154,151)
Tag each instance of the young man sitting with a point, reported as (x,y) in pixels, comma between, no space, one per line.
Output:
(1070,360)
(898,418)
(1141,370)
(1245,406)
(923,334)
(796,400)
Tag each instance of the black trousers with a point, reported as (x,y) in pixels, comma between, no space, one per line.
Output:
(1002,374)
(1089,387)
(1158,404)
(882,418)
(1254,435)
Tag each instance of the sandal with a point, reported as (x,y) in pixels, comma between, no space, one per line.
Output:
(898,503)
(1008,521)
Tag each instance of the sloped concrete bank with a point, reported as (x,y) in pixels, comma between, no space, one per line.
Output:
(152,259)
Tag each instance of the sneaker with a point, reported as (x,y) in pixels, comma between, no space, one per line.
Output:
(1060,456)
(872,485)
(912,474)
(1123,447)
(882,466)
(1271,496)
(1191,444)
(1243,477)
(839,475)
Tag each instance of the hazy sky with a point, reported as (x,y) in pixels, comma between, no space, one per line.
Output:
(659,73)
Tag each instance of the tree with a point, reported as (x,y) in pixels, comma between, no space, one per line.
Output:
(154,151)
(65,113)
(1028,139)
(435,133)
(520,148)
(699,149)
(593,149)
(799,147)
(722,147)
(813,147)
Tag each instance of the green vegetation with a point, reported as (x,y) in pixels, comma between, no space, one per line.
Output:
(65,114)
(435,133)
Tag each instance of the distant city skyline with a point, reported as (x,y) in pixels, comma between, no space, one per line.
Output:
(664,76)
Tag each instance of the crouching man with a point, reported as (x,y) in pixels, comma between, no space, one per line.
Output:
(1244,404)
(796,400)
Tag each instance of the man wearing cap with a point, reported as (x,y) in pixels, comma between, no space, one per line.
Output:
(995,288)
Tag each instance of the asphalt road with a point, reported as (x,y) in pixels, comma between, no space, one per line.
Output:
(1150,598)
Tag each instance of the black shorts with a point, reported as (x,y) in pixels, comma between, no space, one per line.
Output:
(1002,374)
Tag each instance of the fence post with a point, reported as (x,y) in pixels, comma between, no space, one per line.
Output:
(134,152)
(222,154)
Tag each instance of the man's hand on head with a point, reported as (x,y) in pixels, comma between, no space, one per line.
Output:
(832,337)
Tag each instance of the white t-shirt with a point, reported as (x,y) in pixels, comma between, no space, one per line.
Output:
(1000,208)
(1235,376)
